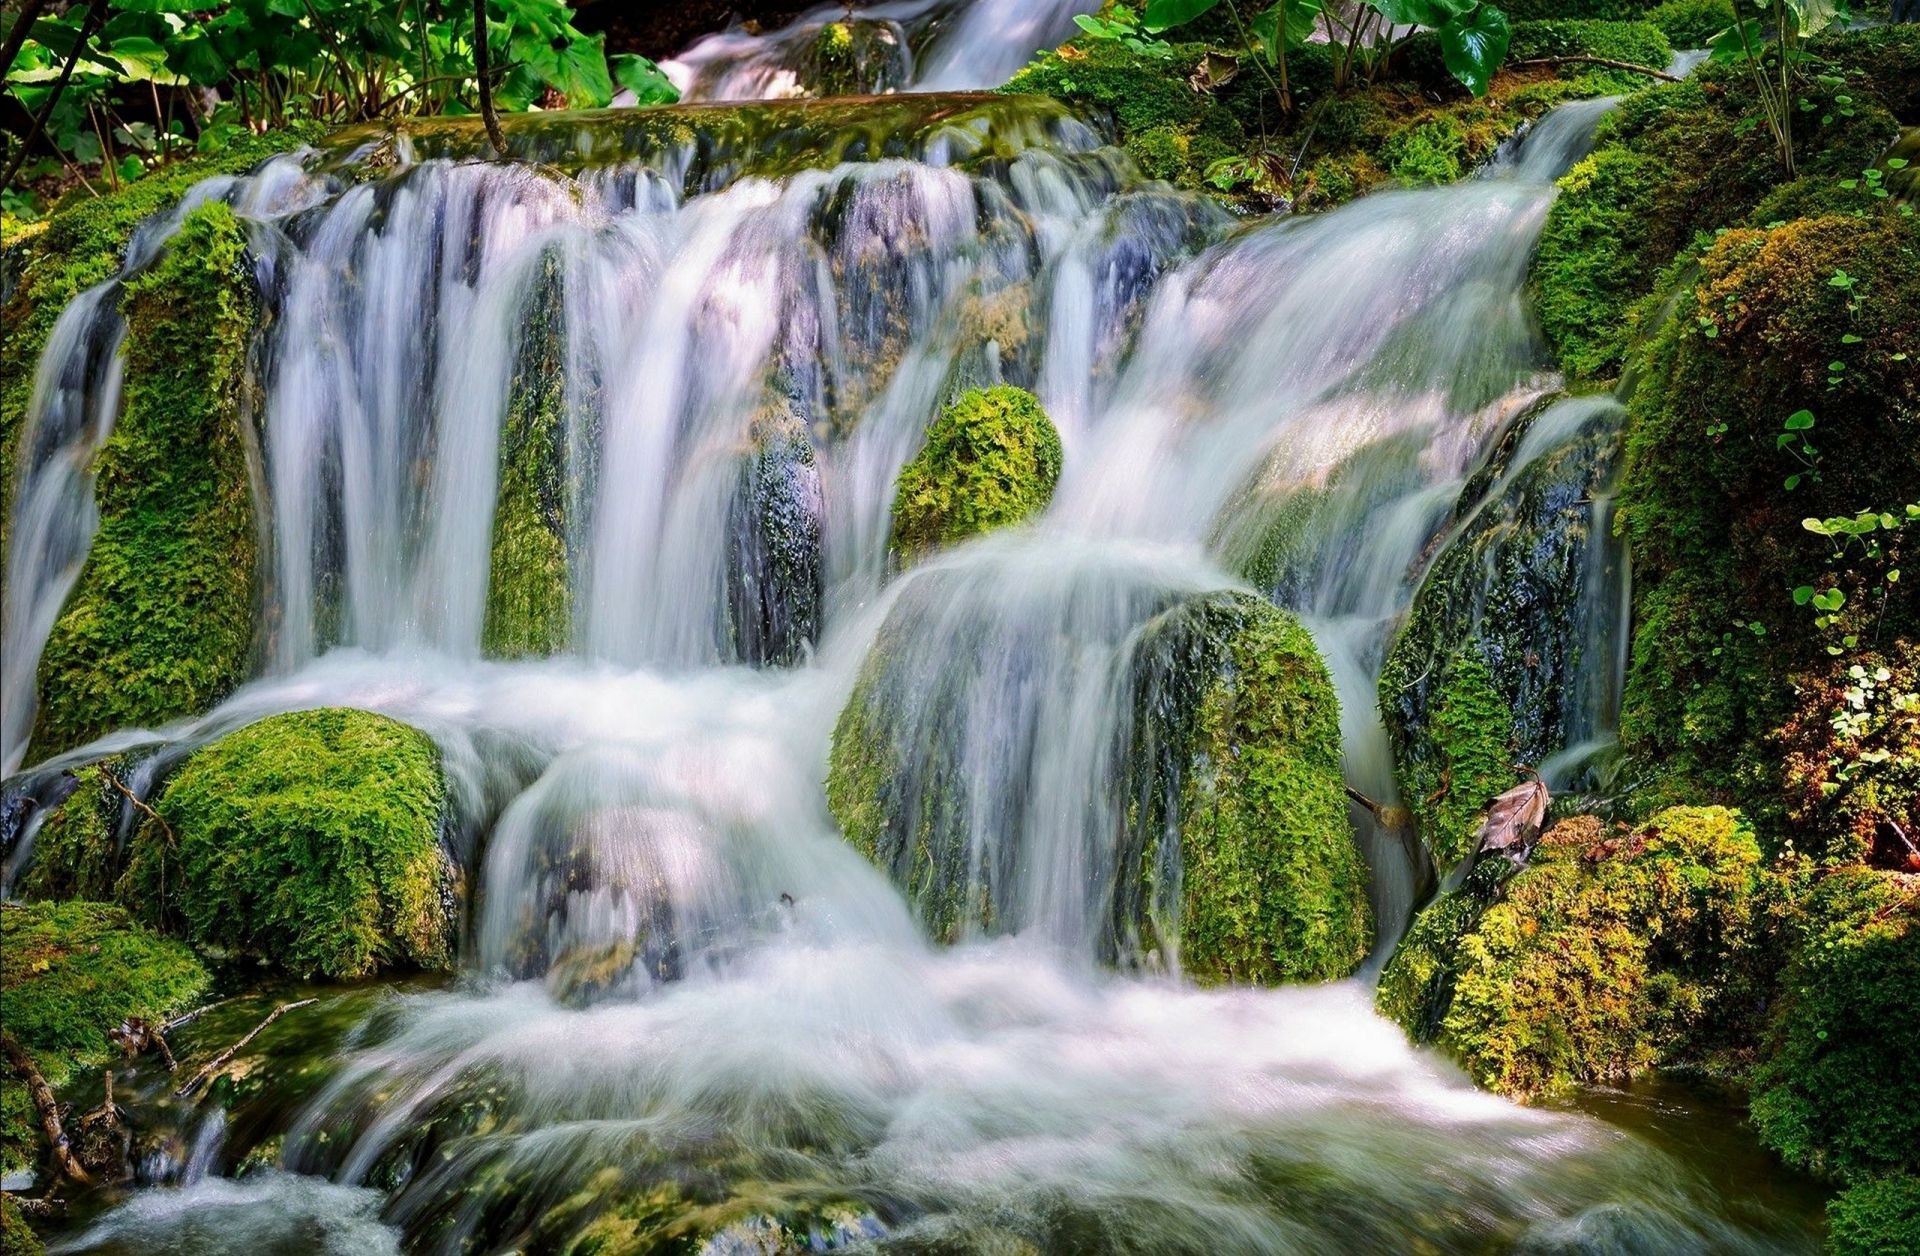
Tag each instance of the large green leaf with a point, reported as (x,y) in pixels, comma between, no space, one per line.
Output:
(1738,40)
(644,79)
(1474,45)
(1299,15)
(1165,14)
(1421,12)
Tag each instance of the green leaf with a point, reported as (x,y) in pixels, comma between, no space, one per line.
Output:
(1733,43)
(1803,595)
(1421,12)
(644,79)
(1165,14)
(1300,15)
(1474,45)
(1799,421)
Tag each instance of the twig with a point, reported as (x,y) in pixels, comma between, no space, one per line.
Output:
(1603,61)
(220,1061)
(481,54)
(45,1105)
(187,1018)
(1379,812)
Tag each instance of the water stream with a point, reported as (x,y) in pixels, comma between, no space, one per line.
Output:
(685,996)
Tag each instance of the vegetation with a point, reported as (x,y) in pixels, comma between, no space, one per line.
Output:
(991,459)
(310,841)
(1879,1217)
(69,973)
(111,90)
(1458,757)
(161,622)
(1613,951)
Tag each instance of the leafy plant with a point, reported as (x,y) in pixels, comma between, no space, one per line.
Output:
(1771,45)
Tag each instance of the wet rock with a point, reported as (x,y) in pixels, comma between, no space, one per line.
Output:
(775,569)
(990,460)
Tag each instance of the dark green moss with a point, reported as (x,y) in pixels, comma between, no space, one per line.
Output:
(1603,10)
(70,972)
(76,850)
(529,609)
(1836,1091)
(1456,759)
(1587,268)
(1239,757)
(160,624)
(1879,1217)
(1636,43)
(1610,953)
(1692,23)
(311,841)
(990,459)
(16,1236)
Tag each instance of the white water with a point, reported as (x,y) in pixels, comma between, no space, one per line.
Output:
(919,45)
(775,1016)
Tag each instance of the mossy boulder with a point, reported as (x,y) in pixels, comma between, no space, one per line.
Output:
(1836,1090)
(1239,804)
(1611,952)
(1717,539)
(76,846)
(160,624)
(776,568)
(991,459)
(1233,851)
(1878,1217)
(69,973)
(311,841)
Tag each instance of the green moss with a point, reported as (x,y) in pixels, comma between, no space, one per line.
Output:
(69,973)
(79,245)
(529,609)
(1610,953)
(160,624)
(1603,10)
(1433,152)
(1453,762)
(1692,23)
(1587,268)
(990,459)
(1837,1091)
(1717,541)
(1636,43)
(1880,1217)
(1242,736)
(310,840)
(76,849)
(16,1236)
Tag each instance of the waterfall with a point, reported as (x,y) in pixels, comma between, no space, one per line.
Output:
(683,983)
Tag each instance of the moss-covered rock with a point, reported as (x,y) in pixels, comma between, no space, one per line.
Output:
(1679,159)
(1836,1090)
(1453,750)
(310,840)
(76,847)
(529,606)
(69,973)
(991,459)
(776,569)
(1717,540)
(1613,951)
(1879,1217)
(1237,753)
(160,624)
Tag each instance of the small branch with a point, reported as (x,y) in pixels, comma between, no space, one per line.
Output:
(187,1018)
(1601,61)
(140,804)
(220,1061)
(89,26)
(44,1104)
(1379,812)
(481,55)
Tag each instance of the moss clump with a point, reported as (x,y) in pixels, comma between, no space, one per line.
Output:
(1610,953)
(79,245)
(1677,160)
(1239,758)
(1432,152)
(1692,23)
(529,610)
(1717,542)
(76,850)
(1837,1091)
(69,973)
(16,1236)
(1880,1217)
(991,459)
(310,840)
(161,622)
(1456,756)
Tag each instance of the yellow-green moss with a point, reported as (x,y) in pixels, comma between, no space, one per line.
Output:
(1611,952)
(529,607)
(1837,1090)
(990,459)
(1272,885)
(16,1236)
(1451,765)
(310,840)
(1879,1217)
(160,624)
(69,972)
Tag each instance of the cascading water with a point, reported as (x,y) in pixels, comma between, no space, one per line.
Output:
(688,997)
(897,45)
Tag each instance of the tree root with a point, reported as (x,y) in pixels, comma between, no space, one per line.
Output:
(46,1106)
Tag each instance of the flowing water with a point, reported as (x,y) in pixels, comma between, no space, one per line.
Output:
(688,1005)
